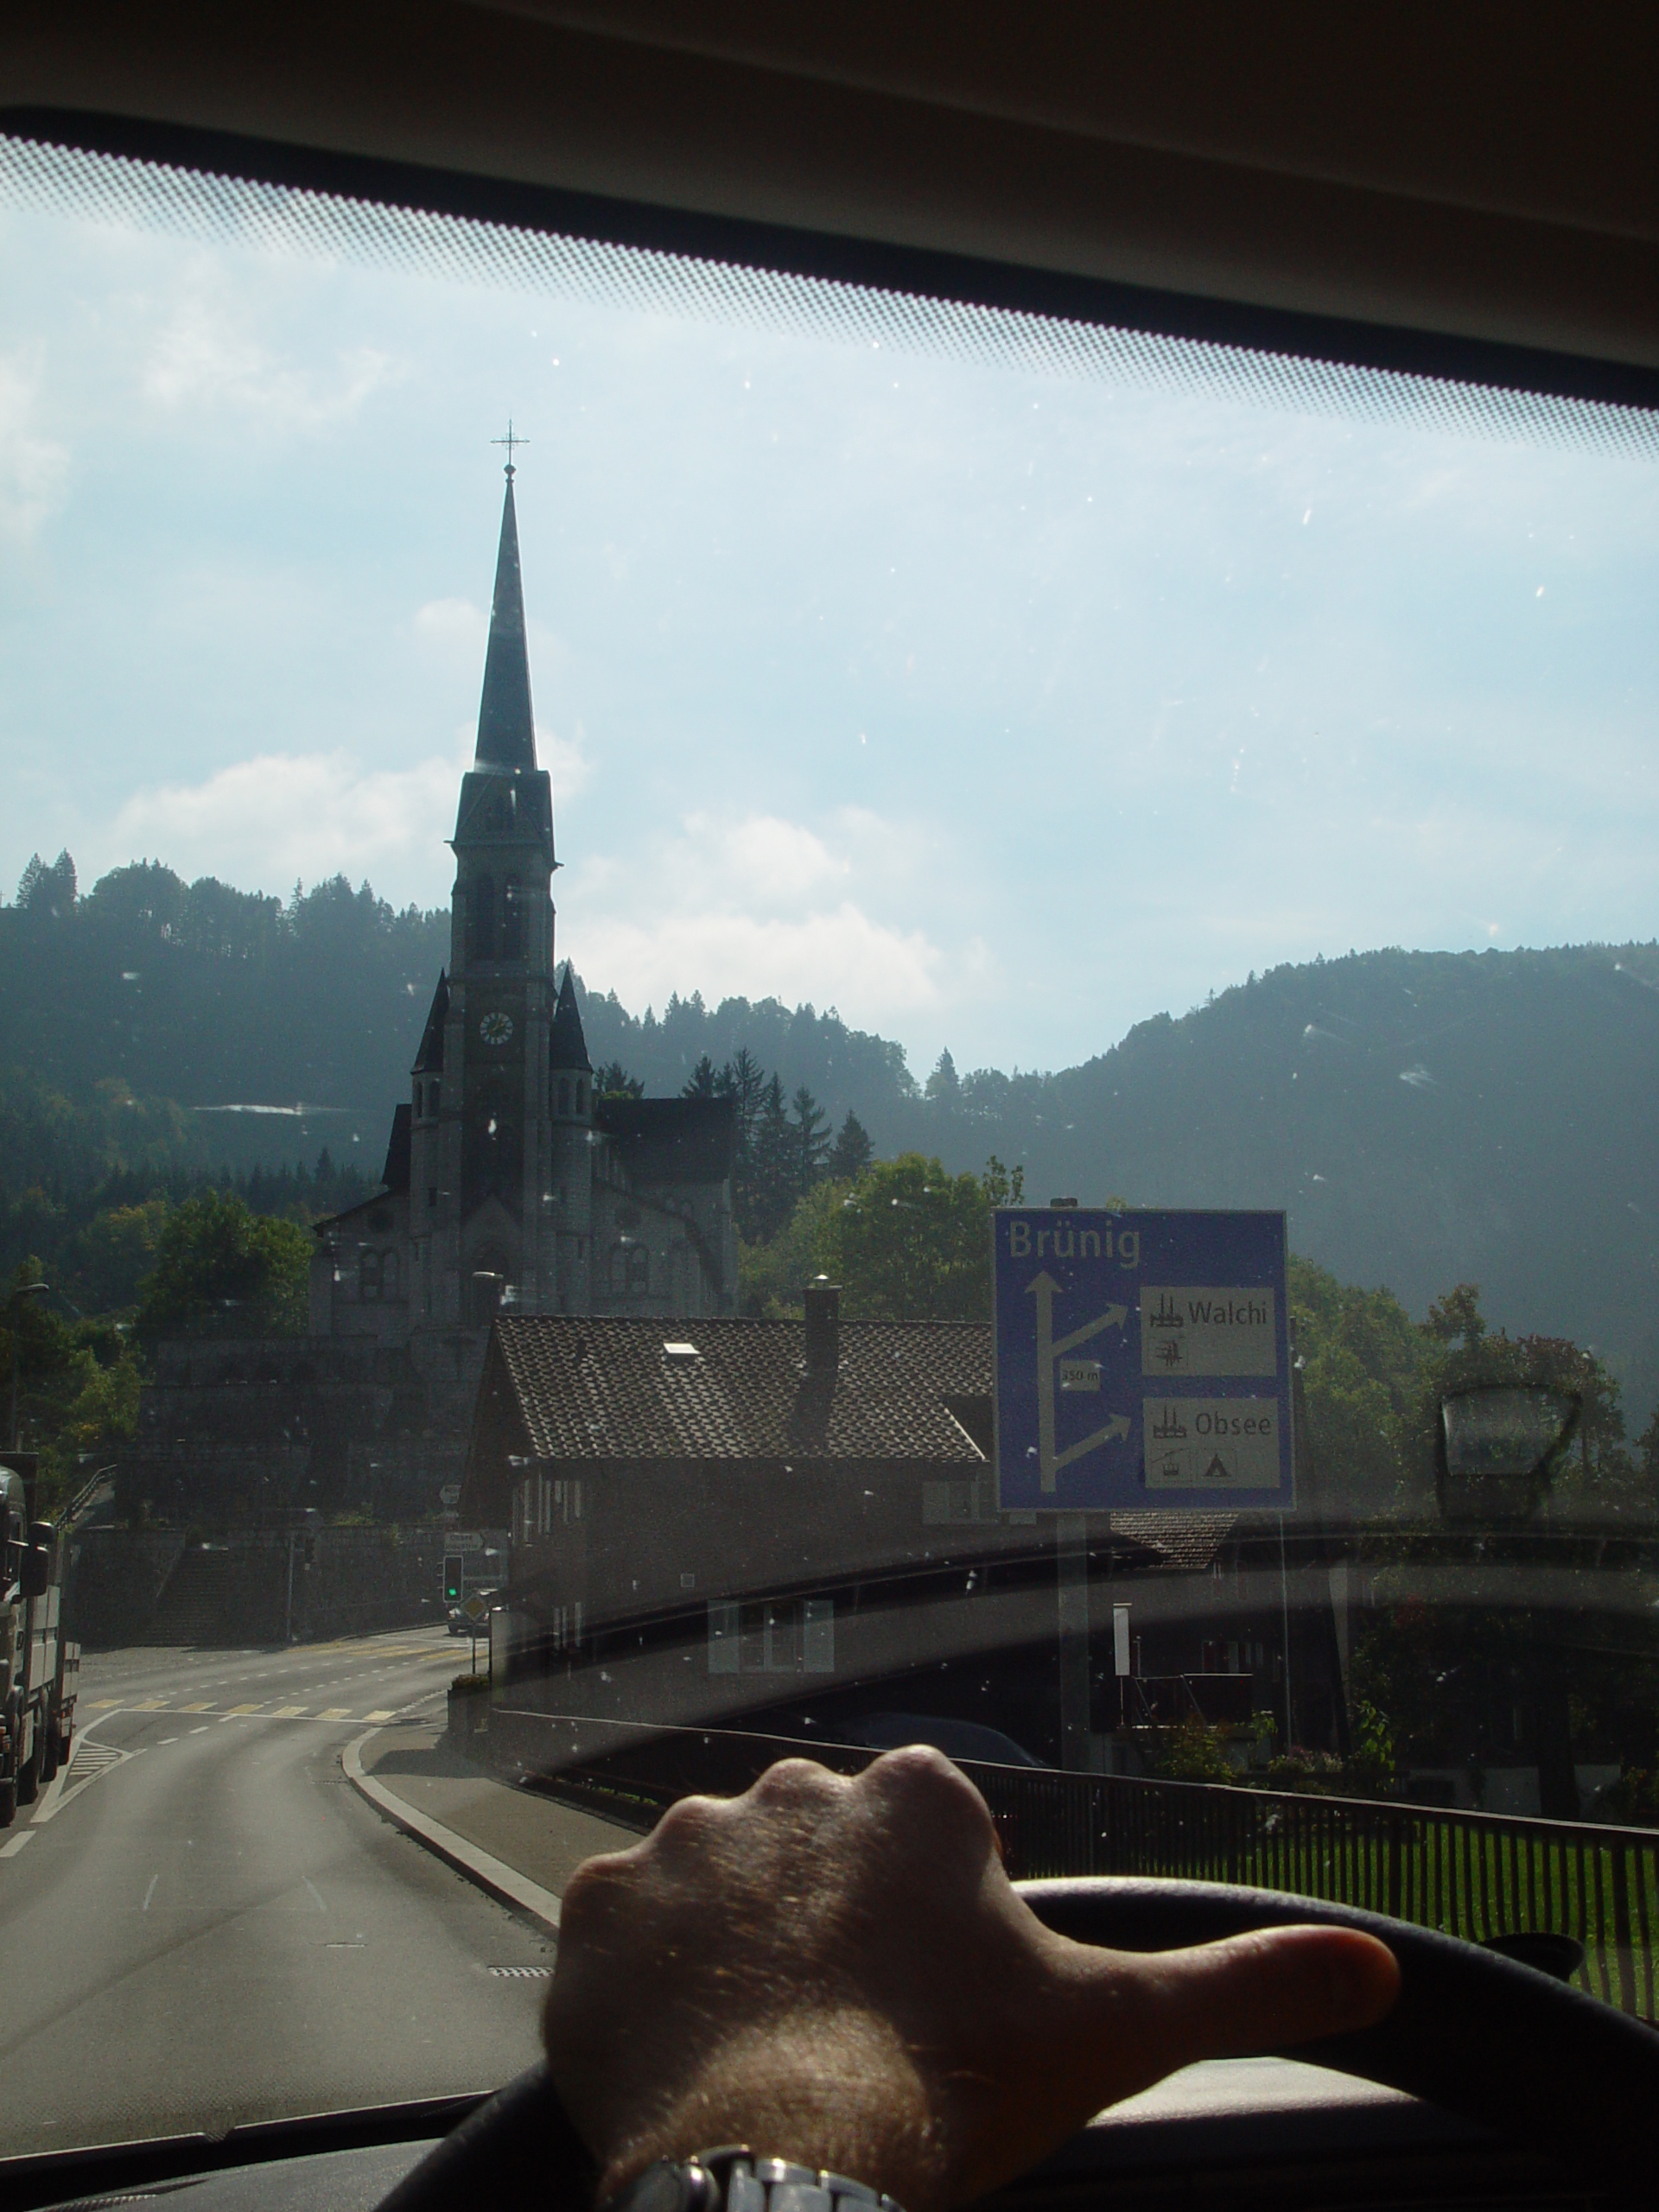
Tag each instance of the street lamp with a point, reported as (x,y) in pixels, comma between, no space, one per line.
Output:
(20,1291)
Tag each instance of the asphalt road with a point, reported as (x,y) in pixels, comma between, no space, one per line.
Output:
(203,1924)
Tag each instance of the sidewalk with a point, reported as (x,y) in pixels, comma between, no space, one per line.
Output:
(487,1828)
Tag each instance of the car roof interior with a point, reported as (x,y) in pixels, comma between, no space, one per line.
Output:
(1468,192)
(1473,192)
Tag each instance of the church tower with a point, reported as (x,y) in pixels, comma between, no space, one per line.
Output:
(483,1200)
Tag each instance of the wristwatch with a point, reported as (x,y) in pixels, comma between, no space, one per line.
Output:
(733,2179)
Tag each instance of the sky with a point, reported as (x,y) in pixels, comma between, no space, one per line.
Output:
(997,711)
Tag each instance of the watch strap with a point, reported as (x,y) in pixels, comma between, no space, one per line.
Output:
(733,2179)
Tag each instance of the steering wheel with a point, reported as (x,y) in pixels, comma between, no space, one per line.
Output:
(1542,2065)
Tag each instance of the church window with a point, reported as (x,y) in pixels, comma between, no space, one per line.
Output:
(564,1094)
(619,1268)
(580,1095)
(368,1277)
(480,918)
(512,920)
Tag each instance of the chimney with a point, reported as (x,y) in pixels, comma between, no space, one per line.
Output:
(822,1326)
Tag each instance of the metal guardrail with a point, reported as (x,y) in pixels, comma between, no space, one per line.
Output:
(1473,1875)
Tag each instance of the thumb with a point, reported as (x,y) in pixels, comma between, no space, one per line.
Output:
(1252,1993)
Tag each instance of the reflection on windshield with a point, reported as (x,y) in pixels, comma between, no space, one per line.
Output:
(884,1050)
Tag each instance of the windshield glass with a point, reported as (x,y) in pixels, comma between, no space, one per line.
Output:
(719,1033)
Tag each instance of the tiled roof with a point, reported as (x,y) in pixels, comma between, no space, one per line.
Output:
(1185,1540)
(590,1389)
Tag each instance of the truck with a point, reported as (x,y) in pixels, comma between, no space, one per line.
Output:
(40,1668)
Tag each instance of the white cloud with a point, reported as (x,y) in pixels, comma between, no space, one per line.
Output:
(281,816)
(756,907)
(840,957)
(455,625)
(762,861)
(208,356)
(33,469)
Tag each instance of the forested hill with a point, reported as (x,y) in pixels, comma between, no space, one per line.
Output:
(1426,1118)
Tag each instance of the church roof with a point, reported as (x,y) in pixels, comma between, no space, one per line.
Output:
(506,729)
(395,1173)
(671,1140)
(566,1045)
(430,1059)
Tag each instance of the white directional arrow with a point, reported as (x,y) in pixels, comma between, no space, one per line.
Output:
(1043,1288)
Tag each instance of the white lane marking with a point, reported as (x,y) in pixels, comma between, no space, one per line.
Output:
(150,1892)
(10,1850)
(493,1874)
(202,1731)
(165,1741)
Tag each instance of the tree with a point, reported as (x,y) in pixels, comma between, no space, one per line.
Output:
(943,1088)
(770,1184)
(48,893)
(1362,1362)
(811,1136)
(911,1242)
(852,1152)
(614,1081)
(222,1270)
(703,1081)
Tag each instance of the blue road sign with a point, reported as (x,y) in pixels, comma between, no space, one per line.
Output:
(1142,1360)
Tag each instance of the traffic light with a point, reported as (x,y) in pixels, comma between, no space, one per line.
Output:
(451,1579)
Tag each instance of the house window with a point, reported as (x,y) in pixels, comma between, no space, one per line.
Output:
(388,1274)
(638,1272)
(368,1277)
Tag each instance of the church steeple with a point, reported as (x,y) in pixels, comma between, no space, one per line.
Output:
(506,729)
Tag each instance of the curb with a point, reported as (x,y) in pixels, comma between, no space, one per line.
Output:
(503,1882)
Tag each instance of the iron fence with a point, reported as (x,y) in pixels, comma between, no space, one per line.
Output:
(1475,1875)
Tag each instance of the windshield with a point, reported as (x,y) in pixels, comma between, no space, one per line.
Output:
(728,1026)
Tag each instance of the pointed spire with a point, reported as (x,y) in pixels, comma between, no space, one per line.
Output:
(430,1059)
(507,731)
(566,1045)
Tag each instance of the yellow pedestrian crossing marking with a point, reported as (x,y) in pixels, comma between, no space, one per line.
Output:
(288,1712)
(231,1710)
(195,1708)
(103,1704)
(335,1713)
(379,1716)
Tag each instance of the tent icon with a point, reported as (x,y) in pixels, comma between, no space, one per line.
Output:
(1216,1472)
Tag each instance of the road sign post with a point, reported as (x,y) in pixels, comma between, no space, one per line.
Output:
(1142,1363)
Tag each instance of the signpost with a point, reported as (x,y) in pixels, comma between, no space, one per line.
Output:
(1142,1363)
(450,1494)
(476,1612)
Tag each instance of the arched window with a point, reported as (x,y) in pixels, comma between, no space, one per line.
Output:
(620,1268)
(389,1286)
(480,918)
(368,1277)
(564,1094)
(434,1098)
(512,920)
(581,1089)
(638,1272)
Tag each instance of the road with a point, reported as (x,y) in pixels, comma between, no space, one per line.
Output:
(202,1924)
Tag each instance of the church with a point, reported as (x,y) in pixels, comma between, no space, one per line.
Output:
(508,1185)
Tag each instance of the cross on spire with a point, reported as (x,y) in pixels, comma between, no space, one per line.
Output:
(509,441)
